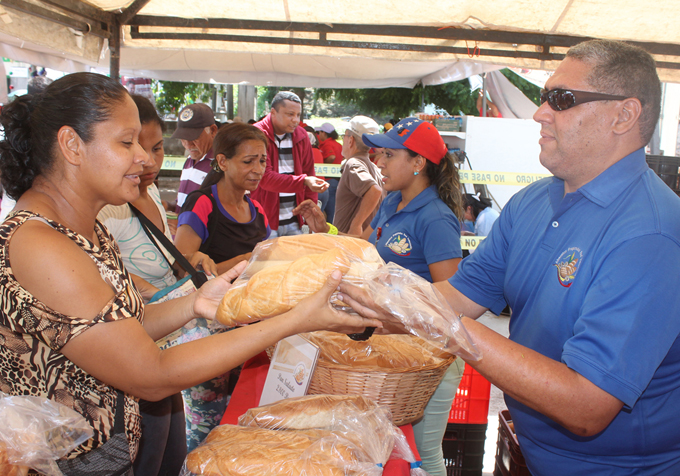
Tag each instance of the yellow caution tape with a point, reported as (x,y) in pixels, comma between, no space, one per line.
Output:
(470,242)
(327,170)
(499,178)
(466,176)
(173,162)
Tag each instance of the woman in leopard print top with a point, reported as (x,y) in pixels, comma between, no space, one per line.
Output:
(73,327)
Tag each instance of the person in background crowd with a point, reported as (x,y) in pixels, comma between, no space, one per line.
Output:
(162,448)
(221,220)
(196,128)
(587,260)
(37,84)
(478,211)
(322,199)
(360,190)
(75,329)
(491,108)
(374,152)
(289,178)
(331,150)
(142,257)
(417,227)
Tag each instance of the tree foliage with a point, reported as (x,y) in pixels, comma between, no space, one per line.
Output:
(530,90)
(455,97)
(171,96)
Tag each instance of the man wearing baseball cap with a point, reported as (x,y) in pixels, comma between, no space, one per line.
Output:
(331,150)
(360,188)
(196,129)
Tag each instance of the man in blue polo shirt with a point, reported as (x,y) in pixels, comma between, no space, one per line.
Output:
(588,262)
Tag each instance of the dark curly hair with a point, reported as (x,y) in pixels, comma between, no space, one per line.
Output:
(31,123)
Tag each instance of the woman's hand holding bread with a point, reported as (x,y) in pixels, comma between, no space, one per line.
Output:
(208,297)
(315,312)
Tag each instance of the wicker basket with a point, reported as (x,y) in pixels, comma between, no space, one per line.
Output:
(405,391)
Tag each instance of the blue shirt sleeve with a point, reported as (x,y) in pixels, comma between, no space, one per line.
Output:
(191,219)
(480,276)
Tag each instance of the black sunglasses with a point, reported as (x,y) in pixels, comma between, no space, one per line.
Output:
(561,99)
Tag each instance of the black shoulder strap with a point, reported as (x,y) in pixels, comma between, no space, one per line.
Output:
(156,235)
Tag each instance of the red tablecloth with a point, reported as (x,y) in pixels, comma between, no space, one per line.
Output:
(247,395)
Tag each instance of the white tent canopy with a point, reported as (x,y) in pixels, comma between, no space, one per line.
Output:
(326,43)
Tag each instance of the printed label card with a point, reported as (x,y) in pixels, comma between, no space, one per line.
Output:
(291,370)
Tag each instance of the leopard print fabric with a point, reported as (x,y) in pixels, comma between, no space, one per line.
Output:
(32,335)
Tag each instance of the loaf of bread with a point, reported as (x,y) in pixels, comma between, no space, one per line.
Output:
(276,289)
(380,352)
(243,451)
(6,468)
(354,417)
(313,411)
(290,248)
(285,270)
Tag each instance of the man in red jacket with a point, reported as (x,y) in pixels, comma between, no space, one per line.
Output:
(289,177)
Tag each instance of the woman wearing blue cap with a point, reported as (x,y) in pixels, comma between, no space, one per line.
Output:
(417,226)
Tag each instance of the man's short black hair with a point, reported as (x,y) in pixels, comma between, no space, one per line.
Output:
(284,96)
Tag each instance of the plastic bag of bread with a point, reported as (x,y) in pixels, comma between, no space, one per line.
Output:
(283,271)
(7,468)
(231,450)
(402,450)
(355,418)
(35,432)
(381,351)
(421,308)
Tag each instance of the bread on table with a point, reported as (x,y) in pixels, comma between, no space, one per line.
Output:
(312,411)
(244,451)
(353,417)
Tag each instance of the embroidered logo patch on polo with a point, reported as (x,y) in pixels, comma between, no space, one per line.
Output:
(567,266)
(399,244)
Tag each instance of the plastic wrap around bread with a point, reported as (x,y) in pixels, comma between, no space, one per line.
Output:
(311,411)
(283,271)
(380,352)
(35,432)
(245,451)
(421,308)
(355,418)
